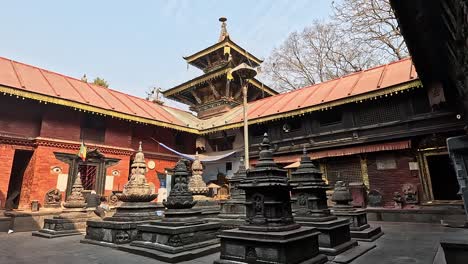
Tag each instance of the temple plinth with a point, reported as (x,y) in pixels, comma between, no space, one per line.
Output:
(72,220)
(360,229)
(182,234)
(269,234)
(309,202)
(136,209)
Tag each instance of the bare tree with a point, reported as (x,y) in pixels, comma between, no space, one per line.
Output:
(360,34)
(374,22)
(316,54)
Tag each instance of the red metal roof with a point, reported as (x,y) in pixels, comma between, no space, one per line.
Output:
(367,81)
(32,79)
(22,77)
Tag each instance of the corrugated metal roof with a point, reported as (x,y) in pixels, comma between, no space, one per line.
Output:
(22,77)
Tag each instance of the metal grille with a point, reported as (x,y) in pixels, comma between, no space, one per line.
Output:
(88,176)
(381,112)
(344,169)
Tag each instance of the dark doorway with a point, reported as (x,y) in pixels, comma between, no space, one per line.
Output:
(443,178)
(20,163)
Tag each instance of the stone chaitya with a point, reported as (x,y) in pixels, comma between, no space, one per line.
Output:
(136,208)
(234,208)
(182,234)
(269,234)
(309,202)
(199,190)
(72,220)
(360,229)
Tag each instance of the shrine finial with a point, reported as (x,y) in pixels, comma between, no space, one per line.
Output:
(139,147)
(224,32)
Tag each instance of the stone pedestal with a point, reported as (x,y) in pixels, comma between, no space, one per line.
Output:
(136,209)
(182,234)
(269,234)
(360,229)
(309,203)
(234,208)
(72,221)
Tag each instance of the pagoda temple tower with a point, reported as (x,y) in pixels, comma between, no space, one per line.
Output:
(216,92)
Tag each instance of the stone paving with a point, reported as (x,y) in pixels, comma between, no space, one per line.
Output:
(403,243)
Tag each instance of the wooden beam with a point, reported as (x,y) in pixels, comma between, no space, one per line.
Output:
(213,89)
(199,101)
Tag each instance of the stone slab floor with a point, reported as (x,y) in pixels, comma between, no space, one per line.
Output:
(405,243)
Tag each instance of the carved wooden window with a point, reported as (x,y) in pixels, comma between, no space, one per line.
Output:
(257,130)
(330,117)
(381,111)
(93,129)
(347,169)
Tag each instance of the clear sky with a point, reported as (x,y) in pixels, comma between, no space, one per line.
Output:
(135,45)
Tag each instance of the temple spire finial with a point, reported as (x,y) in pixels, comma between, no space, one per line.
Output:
(139,147)
(224,32)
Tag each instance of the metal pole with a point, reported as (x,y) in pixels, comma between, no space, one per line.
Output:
(246,128)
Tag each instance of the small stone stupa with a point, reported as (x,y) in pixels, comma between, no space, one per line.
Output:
(269,234)
(197,186)
(360,229)
(310,207)
(136,208)
(234,208)
(181,235)
(72,220)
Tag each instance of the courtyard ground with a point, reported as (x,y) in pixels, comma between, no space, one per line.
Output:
(404,243)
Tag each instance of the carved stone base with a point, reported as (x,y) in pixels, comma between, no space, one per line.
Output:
(232,209)
(121,228)
(287,247)
(208,207)
(335,235)
(71,222)
(111,233)
(135,211)
(175,241)
(360,229)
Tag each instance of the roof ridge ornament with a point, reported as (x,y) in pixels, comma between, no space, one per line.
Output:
(224,32)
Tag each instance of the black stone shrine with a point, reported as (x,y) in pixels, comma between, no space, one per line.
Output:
(269,234)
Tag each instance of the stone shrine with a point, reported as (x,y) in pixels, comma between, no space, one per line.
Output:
(72,220)
(53,198)
(197,186)
(269,234)
(182,234)
(234,208)
(309,202)
(136,208)
(360,229)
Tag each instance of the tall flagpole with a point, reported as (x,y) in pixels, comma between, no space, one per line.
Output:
(246,128)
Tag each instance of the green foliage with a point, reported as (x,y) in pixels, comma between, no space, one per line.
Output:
(101,82)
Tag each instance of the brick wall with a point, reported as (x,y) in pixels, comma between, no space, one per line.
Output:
(118,133)
(6,160)
(19,117)
(391,180)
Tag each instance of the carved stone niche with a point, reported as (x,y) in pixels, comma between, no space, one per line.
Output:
(53,198)
(410,193)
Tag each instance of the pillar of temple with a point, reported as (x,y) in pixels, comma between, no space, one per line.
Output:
(269,234)
(72,220)
(360,229)
(182,234)
(309,202)
(136,208)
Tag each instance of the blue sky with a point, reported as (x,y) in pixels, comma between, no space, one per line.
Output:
(135,45)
